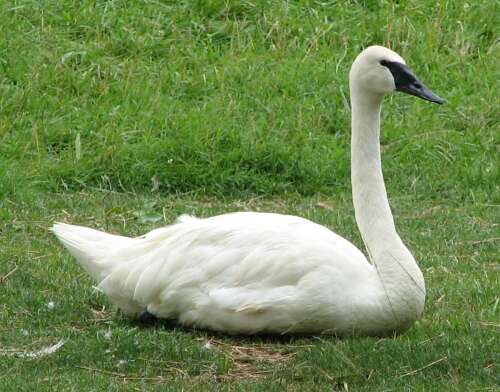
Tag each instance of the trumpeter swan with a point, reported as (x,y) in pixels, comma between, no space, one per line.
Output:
(249,272)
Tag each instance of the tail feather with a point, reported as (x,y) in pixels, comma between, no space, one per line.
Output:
(90,247)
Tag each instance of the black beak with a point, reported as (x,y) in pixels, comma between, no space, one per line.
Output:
(407,82)
(420,90)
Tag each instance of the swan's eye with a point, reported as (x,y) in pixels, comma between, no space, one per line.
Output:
(384,63)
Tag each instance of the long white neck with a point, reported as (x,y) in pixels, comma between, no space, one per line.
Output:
(400,276)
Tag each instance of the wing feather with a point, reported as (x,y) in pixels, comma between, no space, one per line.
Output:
(224,268)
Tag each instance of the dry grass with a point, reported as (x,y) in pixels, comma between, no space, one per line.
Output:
(249,363)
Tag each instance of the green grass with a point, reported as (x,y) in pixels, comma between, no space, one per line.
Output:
(124,115)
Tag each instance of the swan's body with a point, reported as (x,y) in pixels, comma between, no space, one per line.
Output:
(255,272)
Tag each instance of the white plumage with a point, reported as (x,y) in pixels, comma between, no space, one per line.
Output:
(251,272)
(242,272)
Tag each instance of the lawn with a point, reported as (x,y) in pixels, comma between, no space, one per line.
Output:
(123,115)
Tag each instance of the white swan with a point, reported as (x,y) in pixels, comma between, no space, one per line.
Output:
(251,272)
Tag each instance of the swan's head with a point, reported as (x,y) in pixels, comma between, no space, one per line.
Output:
(379,71)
